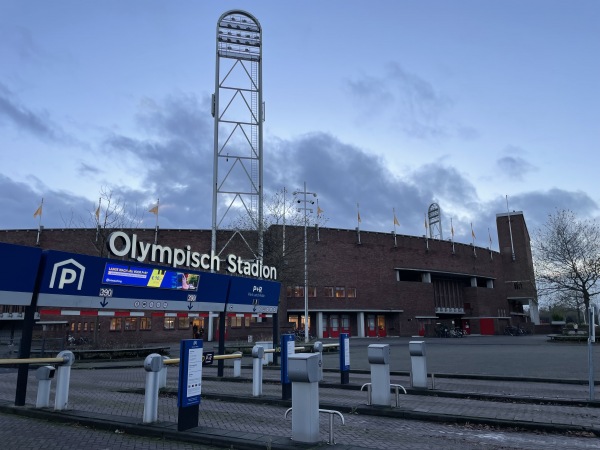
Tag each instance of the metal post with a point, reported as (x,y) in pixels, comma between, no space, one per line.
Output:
(237,366)
(152,365)
(63,378)
(591,339)
(257,370)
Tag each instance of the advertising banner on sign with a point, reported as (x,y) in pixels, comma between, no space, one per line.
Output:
(82,281)
(18,269)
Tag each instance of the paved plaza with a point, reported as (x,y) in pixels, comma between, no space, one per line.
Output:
(509,395)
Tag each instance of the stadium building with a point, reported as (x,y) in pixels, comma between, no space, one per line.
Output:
(367,284)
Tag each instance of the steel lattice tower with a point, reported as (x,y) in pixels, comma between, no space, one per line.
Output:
(434,215)
(238,110)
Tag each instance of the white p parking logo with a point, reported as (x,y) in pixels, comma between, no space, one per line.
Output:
(68,275)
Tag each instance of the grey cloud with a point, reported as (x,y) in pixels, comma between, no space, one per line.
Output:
(412,102)
(514,167)
(38,124)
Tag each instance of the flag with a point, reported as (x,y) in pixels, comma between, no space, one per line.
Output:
(472,232)
(396,220)
(359,217)
(38,212)
(98,213)
(452,230)
(319,211)
(154,209)
(426,226)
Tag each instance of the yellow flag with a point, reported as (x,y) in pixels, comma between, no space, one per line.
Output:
(472,232)
(319,211)
(98,213)
(154,210)
(38,212)
(396,221)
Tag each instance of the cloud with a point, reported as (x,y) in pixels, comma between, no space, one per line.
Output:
(173,161)
(412,103)
(514,167)
(38,124)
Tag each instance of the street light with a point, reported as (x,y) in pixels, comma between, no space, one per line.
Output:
(306,210)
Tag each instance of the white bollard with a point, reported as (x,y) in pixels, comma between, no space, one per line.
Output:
(303,371)
(318,347)
(44,375)
(237,365)
(258,353)
(63,378)
(379,359)
(162,382)
(152,365)
(418,362)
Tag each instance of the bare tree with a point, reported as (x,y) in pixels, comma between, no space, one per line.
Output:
(111,214)
(567,257)
(283,239)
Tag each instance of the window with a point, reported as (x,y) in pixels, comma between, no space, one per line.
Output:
(115,324)
(518,285)
(85,326)
(328,291)
(169,323)
(236,322)
(290,291)
(312,291)
(351,292)
(78,326)
(247,321)
(145,323)
(183,323)
(72,326)
(299,291)
(130,323)
(91,326)
(340,292)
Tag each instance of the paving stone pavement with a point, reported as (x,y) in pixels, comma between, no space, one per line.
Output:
(110,396)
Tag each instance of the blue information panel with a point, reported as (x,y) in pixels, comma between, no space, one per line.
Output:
(251,295)
(190,372)
(18,269)
(82,281)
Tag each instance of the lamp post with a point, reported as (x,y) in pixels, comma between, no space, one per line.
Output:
(306,210)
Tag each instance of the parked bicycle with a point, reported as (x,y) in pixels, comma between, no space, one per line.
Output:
(300,337)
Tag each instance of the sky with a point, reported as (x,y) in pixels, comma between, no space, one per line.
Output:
(388,105)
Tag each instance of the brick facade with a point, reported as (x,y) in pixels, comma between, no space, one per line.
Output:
(380,286)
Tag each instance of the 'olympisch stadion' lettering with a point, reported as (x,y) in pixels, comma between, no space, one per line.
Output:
(120,244)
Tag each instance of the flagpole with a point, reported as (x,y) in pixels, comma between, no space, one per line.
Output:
(490,236)
(452,233)
(512,247)
(426,233)
(473,237)
(156,229)
(358,222)
(41,210)
(317,221)
(98,218)
(395,222)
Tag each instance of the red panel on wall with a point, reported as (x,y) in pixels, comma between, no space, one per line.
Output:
(487,326)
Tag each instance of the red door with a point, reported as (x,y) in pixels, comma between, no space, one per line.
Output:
(371,326)
(335,326)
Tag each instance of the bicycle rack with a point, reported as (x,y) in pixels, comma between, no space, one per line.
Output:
(332,413)
(396,387)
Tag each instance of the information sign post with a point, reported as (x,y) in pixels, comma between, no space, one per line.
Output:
(190,383)
(345,358)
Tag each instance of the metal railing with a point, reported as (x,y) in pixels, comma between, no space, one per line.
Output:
(332,413)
